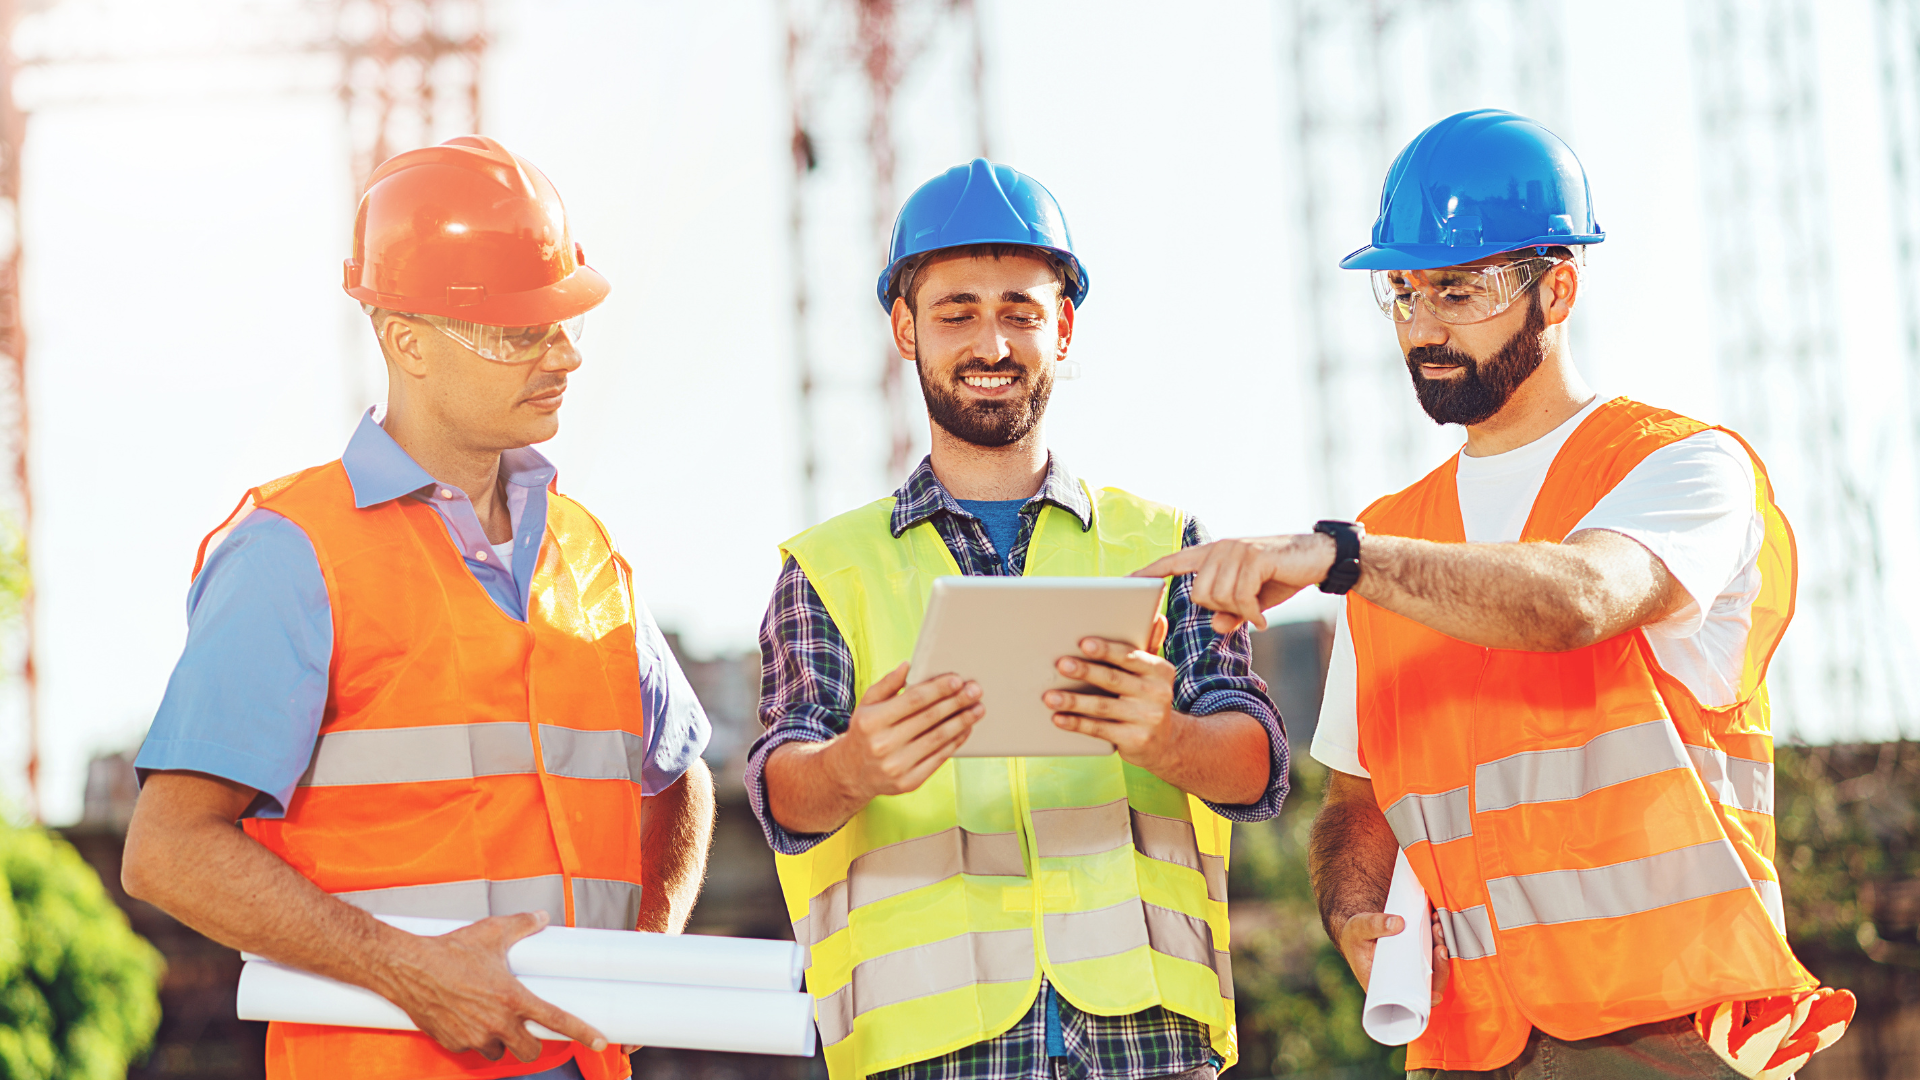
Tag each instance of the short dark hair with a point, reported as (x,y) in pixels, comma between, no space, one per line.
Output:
(906,275)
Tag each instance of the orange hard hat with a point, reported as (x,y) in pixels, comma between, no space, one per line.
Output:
(468,230)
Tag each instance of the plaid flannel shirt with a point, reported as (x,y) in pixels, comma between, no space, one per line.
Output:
(807,695)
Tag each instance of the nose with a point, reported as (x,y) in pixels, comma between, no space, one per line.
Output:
(562,355)
(1426,327)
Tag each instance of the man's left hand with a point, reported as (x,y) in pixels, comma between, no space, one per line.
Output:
(1139,719)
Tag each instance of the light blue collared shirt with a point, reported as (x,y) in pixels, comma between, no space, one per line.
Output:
(246,698)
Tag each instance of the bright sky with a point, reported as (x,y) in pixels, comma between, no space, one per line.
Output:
(185,229)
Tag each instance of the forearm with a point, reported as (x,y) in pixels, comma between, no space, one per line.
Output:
(807,790)
(212,876)
(1533,596)
(1350,853)
(1222,758)
(676,832)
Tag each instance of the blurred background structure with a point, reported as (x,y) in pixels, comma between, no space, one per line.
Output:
(174,213)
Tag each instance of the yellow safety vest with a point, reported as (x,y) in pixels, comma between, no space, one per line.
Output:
(930,917)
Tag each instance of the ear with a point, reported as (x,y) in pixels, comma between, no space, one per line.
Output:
(1558,289)
(400,340)
(903,339)
(1066,327)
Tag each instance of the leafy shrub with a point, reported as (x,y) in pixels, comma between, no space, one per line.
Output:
(79,991)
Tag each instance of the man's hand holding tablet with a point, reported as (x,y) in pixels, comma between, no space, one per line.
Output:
(1139,719)
(895,739)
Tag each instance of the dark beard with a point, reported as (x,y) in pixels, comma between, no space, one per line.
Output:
(994,423)
(1484,385)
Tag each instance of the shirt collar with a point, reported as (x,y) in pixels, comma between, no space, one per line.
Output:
(381,471)
(923,495)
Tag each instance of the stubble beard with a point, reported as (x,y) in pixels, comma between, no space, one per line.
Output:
(1484,386)
(991,423)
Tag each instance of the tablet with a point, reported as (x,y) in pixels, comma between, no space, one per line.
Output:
(1005,634)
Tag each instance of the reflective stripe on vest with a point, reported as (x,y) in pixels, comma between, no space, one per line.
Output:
(598,903)
(1584,888)
(413,755)
(931,917)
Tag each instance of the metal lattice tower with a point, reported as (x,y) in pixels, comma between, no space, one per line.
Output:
(880,42)
(1364,76)
(1782,376)
(410,74)
(1898,23)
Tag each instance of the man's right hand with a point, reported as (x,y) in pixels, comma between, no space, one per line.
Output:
(900,734)
(457,987)
(1360,936)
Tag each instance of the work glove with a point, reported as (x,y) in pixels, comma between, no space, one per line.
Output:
(1769,1038)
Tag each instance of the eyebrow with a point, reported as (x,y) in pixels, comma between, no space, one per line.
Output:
(1011,296)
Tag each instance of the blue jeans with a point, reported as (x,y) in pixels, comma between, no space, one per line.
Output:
(568,1071)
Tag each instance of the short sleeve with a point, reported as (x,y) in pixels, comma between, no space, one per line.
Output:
(245,700)
(1336,738)
(1693,505)
(677,726)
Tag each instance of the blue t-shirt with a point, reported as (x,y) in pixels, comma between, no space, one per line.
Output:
(1001,517)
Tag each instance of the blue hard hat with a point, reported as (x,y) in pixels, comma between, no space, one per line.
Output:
(1476,184)
(980,203)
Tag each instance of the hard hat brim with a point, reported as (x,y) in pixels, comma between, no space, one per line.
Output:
(1434,256)
(575,294)
(882,287)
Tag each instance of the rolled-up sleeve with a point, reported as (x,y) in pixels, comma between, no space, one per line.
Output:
(245,700)
(806,691)
(1215,675)
(677,725)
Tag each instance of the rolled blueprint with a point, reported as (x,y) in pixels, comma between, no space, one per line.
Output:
(648,1014)
(573,952)
(1400,993)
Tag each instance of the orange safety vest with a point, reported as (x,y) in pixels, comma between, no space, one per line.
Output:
(1597,843)
(468,764)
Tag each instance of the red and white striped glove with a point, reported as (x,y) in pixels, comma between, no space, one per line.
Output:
(1769,1038)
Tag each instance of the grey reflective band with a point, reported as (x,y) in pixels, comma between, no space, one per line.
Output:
(1064,832)
(592,755)
(1616,757)
(906,866)
(1771,900)
(597,903)
(1468,933)
(1435,819)
(1734,781)
(1624,888)
(1112,930)
(923,970)
(1172,840)
(416,755)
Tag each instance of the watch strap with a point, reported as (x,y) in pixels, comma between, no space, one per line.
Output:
(1345,571)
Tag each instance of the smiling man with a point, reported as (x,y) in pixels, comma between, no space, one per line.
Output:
(418,677)
(981,918)
(1548,684)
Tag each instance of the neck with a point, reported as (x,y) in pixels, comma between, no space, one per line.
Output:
(1549,398)
(446,457)
(1015,471)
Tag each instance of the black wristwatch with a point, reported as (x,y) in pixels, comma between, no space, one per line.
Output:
(1345,571)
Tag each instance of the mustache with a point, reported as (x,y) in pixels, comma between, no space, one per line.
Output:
(1007,366)
(1440,356)
(544,386)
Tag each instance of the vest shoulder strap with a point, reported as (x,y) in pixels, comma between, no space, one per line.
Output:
(1607,445)
(257,498)
(1427,509)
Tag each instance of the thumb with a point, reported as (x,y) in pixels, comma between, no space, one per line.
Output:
(1158,635)
(888,685)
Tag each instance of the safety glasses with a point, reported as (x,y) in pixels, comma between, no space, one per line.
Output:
(1457,294)
(508,344)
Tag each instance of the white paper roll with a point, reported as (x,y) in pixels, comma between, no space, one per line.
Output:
(1400,993)
(571,952)
(649,1014)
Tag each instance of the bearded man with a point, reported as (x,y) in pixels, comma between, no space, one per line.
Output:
(1547,686)
(983,918)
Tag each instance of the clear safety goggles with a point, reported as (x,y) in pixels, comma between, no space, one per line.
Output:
(508,344)
(1457,294)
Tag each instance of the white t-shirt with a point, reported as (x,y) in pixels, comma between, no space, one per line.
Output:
(1692,503)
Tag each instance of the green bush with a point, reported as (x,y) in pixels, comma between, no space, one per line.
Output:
(79,990)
